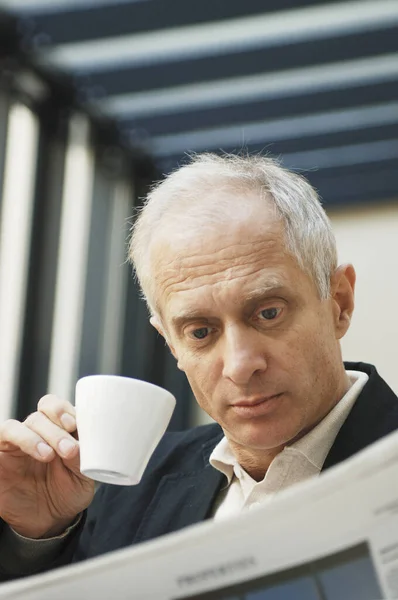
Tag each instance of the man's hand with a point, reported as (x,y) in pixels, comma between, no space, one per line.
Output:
(41,487)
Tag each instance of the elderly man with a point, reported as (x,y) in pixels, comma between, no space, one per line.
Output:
(237,262)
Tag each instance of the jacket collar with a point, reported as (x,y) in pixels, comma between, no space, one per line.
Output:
(186,498)
(373,416)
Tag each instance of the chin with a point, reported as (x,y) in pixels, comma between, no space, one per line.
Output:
(259,438)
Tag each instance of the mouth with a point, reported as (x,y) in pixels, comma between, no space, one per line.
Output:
(256,406)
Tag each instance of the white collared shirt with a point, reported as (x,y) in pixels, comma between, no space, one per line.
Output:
(297,462)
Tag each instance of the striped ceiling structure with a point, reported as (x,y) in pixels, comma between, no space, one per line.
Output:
(313,82)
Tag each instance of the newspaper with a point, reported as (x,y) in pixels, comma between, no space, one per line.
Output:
(331,538)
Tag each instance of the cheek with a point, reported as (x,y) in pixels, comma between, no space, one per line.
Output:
(194,367)
(202,377)
(316,351)
(304,347)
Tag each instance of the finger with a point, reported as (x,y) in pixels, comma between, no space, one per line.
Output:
(14,434)
(60,412)
(55,436)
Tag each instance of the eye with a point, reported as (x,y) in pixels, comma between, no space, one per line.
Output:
(201,333)
(269,314)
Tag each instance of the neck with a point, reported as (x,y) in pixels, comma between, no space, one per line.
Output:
(254,462)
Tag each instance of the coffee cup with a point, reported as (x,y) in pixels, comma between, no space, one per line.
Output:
(120,421)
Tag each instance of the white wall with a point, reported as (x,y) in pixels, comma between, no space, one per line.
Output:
(368,238)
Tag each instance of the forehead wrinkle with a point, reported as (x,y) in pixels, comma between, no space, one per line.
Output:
(196,268)
(228,252)
(216,262)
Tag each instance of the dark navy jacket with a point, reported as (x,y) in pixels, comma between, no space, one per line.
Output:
(179,485)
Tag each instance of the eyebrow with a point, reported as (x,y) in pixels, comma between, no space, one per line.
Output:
(260,292)
(265,290)
(189,316)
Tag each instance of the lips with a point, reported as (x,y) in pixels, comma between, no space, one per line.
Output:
(255,401)
(258,406)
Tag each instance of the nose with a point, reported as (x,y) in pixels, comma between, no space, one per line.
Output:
(243,354)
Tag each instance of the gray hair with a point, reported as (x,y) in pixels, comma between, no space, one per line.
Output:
(308,233)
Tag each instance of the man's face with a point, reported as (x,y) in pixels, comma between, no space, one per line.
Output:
(246,324)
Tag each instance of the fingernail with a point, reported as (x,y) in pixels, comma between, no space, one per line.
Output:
(66,446)
(68,421)
(44,450)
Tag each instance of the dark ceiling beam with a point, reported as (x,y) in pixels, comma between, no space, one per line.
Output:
(278,130)
(216,38)
(356,158)
(65,26)
(369,183)
(235,64)
(333,140)
(274,108)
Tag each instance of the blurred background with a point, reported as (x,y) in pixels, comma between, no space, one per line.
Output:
(98,98)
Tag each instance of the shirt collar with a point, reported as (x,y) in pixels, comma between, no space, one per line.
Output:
(314,446)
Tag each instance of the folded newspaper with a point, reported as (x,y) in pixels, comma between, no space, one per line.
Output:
(330,538)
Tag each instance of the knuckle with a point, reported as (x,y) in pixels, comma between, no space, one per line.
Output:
(9,423)
(32,419)
(46,401)
(51,406)
(7,426)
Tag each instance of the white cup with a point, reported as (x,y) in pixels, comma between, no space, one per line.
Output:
(120,422)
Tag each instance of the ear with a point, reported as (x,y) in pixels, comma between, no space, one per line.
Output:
(157,324)
(342,292)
